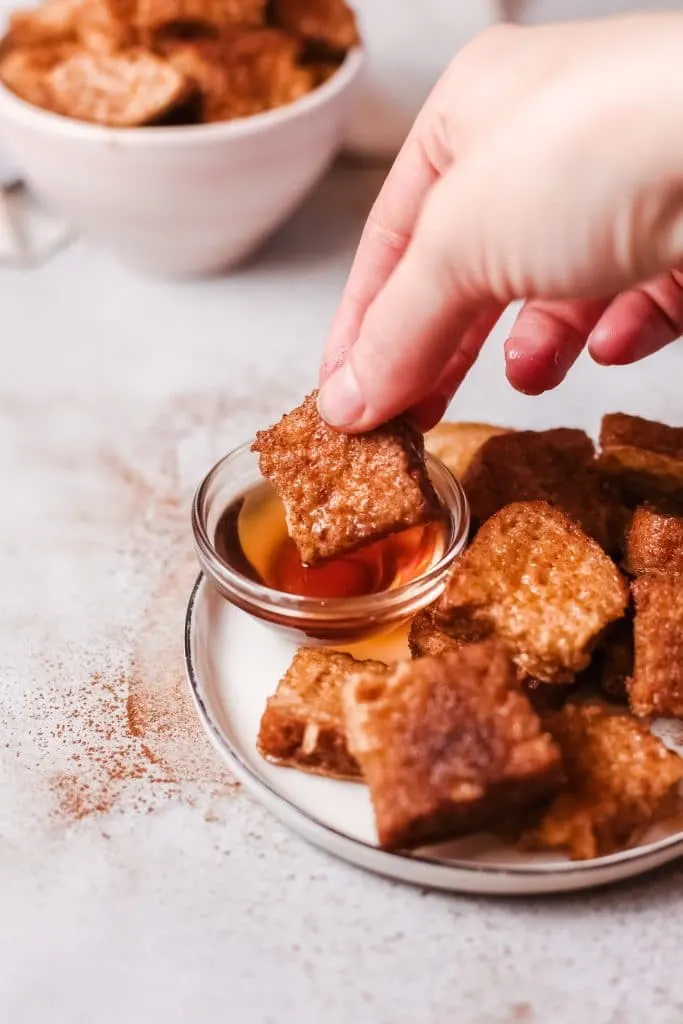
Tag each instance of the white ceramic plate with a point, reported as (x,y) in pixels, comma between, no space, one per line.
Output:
(234,664)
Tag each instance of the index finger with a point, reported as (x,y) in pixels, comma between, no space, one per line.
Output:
(386,235)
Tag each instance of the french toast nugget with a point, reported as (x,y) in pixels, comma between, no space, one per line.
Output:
(303,724)
(456,444)
(120,90)
(447,745)
(536,580)
(654,542)
(656,687)
(645,457)
(242,74)
(620,780)
(329,23)
(557,466)
(425,639)
(341,491)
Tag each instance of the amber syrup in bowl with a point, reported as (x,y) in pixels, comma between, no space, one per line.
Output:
(243,546)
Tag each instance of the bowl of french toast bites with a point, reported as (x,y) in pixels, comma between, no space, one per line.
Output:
(178,134)
(538,694)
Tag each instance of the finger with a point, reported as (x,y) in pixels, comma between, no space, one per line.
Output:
(546,340)
(387,233)
(639,322)
(431,409)
(415,324)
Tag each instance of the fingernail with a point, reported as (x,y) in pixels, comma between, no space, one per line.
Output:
(340,402)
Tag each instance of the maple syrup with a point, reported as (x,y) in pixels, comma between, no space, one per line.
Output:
(251,537)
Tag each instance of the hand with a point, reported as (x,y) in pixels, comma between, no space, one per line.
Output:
(547,165)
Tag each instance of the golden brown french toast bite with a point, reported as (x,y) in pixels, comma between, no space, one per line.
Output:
(656,687)
(620,780)
(645,457)
(456,444)
(557,466)
(303,724)
(447,745)
(341,491)
(536,580)
(654,542)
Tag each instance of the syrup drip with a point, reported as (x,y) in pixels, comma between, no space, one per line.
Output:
(252,538)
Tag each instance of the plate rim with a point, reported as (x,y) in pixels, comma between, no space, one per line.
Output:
(451,875)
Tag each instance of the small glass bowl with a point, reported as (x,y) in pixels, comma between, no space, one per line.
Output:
(314,621)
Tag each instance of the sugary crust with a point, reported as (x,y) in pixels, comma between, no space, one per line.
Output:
(303,724)
(533,577)
(620,780)
(657,684)
(456,444)
(646,457)
(654,542)
(341,491)
(447,745)
(557,466)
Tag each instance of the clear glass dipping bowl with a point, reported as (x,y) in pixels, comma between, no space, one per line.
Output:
(313,621)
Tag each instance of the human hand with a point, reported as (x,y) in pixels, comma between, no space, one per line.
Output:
(547,165)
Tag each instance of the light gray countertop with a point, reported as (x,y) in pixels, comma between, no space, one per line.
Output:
(138,883)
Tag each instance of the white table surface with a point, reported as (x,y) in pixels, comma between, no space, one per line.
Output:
(137,883)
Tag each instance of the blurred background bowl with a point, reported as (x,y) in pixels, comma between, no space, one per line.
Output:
(181,201)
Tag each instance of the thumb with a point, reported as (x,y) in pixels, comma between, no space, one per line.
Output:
(413,328)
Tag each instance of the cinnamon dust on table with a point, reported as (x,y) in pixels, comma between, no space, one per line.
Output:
(111,722)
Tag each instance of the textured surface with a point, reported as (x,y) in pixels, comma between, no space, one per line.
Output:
(656,687)
(303,723)
(654,542)
(185,900)
(556,466)
(620,780)
(341,491)
(532,576)
(448,745)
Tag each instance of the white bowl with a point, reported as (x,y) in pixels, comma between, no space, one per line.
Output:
(181,201)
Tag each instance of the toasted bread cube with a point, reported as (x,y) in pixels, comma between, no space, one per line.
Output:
(425,639)
(535,579)
(656,687)
(447,745)
(121,90)
(329,23)
(620,780)
(341,491)
(557,466)
(303,724)
(241,74)
(644,456)
(654,542)
(456,444)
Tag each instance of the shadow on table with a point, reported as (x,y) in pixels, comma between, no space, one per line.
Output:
(330,221)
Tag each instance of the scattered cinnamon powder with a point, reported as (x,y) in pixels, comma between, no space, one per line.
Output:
(109,721)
